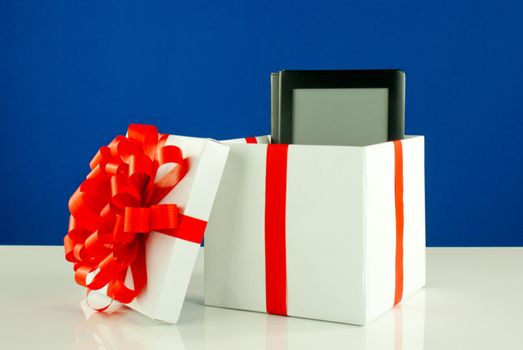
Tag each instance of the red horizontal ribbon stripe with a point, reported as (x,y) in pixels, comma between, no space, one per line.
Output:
(190,229)
(116,207)
(251,140)
(398,196)
(275,246)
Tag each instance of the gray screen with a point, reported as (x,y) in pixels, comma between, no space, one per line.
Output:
(350,117)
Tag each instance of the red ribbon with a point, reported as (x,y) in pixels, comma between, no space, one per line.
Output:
(116,207)
(275,250)
(251,140)
(275,244)
(398,202)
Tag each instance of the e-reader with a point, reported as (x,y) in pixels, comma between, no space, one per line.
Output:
(343,107)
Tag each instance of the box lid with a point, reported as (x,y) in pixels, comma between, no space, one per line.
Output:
(170,260)
(135,239)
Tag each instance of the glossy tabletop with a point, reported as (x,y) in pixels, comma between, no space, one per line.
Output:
(473,300)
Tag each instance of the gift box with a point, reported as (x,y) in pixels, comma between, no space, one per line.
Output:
(333,233)
(138,219)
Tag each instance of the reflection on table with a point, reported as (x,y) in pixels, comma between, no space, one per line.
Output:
(203,327)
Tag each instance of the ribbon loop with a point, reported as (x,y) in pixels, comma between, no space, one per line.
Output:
(137,220)
(156,218)
(164,217)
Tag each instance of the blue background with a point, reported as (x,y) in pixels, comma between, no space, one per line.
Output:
(73,74)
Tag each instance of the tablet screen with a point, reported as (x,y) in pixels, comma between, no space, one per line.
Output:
(345,116)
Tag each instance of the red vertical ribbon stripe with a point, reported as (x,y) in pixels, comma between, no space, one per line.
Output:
(275,250)
(398,199)
(251,140)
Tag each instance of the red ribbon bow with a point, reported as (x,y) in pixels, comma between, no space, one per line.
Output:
(116,207)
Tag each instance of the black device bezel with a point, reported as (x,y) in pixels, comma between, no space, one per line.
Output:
(393,79)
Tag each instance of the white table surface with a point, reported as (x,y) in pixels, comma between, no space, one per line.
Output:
(473,300)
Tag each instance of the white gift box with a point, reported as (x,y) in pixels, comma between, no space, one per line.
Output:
(170,260)
(341,252)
